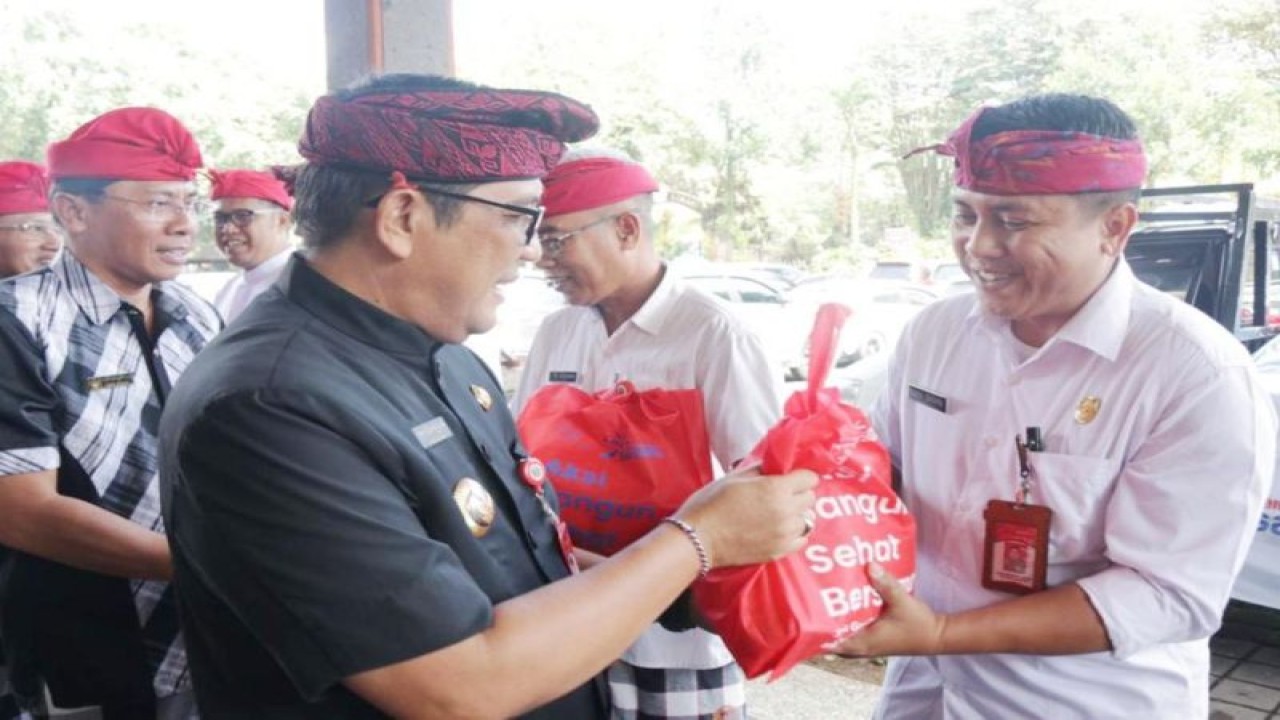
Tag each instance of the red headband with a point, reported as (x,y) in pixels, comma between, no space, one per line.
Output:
(1042,162)
(24,188)
(249,184)
(127,144)
(592,183)
(478,135)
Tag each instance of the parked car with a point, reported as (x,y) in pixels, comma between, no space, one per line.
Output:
(781,276)
(1259,580)
(525,303)
(880,310)
(901,270)
(763,308)
(946,273)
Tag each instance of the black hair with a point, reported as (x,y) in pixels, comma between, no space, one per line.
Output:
(328,199)
(88,188)
(1068,113)
(1057,111)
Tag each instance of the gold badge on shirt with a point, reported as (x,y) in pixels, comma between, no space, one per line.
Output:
(482,397)
(476,505)
(102,382)
(1088,409)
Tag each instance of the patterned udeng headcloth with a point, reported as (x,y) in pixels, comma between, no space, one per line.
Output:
(477,135)
(1042,162)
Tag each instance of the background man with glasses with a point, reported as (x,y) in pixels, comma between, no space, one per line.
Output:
(251,225)
(357,530)
(631,319)
(29,238)
(90,347)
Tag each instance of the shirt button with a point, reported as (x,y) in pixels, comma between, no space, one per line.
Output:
(990,441)
(1015,381)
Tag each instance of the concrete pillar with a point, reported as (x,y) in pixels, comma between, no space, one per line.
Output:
(384,36)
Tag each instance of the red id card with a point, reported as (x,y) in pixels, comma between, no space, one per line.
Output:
(1015,550)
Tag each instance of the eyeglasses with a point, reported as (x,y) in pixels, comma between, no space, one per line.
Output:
(553,245)
(34,227)
(161,209)
(240,218)
(533,213)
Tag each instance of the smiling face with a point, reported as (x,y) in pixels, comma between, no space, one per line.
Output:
(135,234)
(582,257)
(27,241)
(250,231)
(1036,260)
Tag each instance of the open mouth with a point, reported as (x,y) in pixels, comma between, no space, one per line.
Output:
(175,256)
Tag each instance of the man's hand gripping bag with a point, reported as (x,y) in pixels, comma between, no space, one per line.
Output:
(775,615)
(620,459)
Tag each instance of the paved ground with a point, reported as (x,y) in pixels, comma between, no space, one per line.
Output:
(1246,665)
(1245,678)
(807,693)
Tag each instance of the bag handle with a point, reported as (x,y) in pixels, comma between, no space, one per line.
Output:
(823,341)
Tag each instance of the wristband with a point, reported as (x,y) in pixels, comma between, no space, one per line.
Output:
(704,560)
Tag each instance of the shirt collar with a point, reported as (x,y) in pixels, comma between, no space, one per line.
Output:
(98,302)
(349,314)
(268,269)
(657,308)
(1099,325)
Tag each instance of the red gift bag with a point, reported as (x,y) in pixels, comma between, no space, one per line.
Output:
(775,615)
(620,460)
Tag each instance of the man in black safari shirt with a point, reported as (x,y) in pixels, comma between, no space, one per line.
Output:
(355,526)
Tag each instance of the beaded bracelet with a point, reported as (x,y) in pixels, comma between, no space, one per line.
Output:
(704,560)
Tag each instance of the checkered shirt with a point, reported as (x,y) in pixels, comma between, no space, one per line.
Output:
(641,693)
(72,327)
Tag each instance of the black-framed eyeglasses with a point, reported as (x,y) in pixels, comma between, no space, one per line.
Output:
(533,213)
(241,218)
(553,245)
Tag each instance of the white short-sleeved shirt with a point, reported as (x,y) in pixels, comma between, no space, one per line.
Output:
(240,290)
(1155,496)
(681,338)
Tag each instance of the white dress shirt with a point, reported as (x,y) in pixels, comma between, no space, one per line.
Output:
(240,290)
(1154,499)
(681,338)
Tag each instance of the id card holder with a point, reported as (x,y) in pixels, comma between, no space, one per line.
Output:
(1015,549)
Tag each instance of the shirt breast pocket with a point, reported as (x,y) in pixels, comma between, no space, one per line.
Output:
(1076,488)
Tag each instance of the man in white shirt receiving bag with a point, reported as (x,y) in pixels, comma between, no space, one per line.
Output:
(631,319)
(1085,456)
(252,226)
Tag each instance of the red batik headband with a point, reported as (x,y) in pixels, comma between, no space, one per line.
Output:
(456,136)
(1042,162)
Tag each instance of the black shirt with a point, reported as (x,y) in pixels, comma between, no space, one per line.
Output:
(310,456)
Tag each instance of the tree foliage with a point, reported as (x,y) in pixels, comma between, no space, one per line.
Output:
(777,130)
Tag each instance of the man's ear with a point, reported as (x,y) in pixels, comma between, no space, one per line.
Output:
(394,219)
(627,226)
(1117,223)
(71,211)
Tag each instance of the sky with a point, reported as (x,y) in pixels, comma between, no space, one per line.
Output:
(286,37)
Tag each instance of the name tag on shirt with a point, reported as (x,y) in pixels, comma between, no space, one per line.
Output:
(928,399)
(108,381)
(432,432)
(565,376)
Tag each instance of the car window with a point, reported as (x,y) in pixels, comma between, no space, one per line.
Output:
(753,292)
